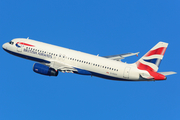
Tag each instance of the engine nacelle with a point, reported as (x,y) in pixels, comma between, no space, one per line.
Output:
(44,70)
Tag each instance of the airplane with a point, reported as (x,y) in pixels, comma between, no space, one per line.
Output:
(51,59)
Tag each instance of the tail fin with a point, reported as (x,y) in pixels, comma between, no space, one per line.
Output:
(152,59)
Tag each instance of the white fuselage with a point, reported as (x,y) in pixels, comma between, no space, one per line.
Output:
(50,55)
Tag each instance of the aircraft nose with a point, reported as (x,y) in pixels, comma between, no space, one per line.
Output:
(4,46)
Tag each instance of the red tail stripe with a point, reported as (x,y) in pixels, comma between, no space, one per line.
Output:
(153,73)
(144,67)
(157,76)
(158,51)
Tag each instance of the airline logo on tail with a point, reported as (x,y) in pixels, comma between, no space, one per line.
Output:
(152,59)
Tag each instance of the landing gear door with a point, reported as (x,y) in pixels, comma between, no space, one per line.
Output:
(126,72)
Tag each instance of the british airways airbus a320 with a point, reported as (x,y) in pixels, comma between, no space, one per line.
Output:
(51,59)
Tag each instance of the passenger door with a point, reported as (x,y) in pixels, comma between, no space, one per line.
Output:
(126,72)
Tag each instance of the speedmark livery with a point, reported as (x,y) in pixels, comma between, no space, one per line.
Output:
(51,59)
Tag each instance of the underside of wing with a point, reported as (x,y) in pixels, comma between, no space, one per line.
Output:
(57,65)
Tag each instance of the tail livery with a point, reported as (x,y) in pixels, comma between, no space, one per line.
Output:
(151,61)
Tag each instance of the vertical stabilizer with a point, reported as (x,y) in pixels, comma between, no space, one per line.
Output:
(152,59)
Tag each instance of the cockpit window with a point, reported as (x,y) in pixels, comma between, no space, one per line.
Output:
(11,42)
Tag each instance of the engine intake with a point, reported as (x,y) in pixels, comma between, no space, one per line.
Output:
(44,70)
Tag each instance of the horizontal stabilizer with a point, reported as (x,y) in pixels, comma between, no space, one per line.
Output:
(168,73)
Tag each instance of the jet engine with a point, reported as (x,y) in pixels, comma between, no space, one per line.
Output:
(44,70)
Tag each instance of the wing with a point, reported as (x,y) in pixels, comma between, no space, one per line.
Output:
(60,66)
(120,56)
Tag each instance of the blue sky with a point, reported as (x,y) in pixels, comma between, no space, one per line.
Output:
(97,27)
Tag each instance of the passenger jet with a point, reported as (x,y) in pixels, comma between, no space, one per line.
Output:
(51,59)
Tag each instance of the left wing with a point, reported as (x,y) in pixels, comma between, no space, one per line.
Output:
(57,65)
(120,56)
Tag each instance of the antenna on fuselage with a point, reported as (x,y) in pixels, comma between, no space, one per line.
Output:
(27,37)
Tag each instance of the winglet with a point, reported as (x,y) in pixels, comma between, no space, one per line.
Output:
(137,54)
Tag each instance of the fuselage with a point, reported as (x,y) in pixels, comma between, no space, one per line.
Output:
(94,65)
